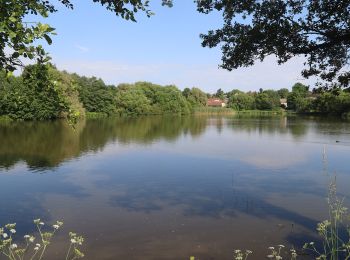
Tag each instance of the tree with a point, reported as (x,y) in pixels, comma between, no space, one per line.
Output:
(186,92)
(95,95)
(253,30)
(144,98)
(267,100)
(195,97)
(132,102)
(40,93)
(220,94)
(300,89)
(263,102)
(241,101)
(283,92)
(298,103)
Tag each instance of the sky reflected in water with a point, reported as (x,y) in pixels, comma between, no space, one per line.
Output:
(171,187)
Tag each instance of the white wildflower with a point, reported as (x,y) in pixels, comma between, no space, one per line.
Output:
(312,243)
(36,248)
(73,241)
(13,231)
(237,251)
(38,245)
(41,223)
(4,235)
(271,248)
(270,256)
(56,226)
(282,246)
(26,236)
(31,239)
(13,246)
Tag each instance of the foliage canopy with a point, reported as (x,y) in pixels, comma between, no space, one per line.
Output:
(252,30)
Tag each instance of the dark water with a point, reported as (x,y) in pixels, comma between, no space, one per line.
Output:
(171,187)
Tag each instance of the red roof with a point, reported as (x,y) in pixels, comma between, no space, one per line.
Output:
(214,102)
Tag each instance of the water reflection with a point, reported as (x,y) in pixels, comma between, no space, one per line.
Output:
(170,187)
(47,144)
(43,145)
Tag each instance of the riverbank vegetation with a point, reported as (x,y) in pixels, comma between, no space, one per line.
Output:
(300,100)
(42,92)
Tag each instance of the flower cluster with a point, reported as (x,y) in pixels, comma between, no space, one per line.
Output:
(240,255)
(75,242)
(29,250)
(276,253)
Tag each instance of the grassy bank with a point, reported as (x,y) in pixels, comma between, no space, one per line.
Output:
(230,111)
(214,111)
(5,119)
(95,115)
(264,112)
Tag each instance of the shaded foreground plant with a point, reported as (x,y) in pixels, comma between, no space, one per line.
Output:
(35,249)
(334,246)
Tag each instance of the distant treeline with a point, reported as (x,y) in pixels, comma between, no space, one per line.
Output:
(42,92)
(300,99)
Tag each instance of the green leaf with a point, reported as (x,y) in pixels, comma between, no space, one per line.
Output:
(48,39)
(50,29)
(13,19)
(15,55)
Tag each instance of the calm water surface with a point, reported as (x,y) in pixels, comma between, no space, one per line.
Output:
(171,187)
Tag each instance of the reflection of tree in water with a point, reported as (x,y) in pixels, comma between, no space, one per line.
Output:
(259,124)
(39,144)
(46,144)
(272,125)
(301,125)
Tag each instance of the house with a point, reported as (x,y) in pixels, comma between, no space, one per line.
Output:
(283,102)
(215,102)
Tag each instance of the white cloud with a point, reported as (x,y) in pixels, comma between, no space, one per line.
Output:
(82,48)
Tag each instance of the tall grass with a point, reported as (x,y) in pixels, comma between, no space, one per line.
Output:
(214,111)
(263,112)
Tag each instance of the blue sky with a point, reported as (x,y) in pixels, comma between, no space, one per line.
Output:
(164,49)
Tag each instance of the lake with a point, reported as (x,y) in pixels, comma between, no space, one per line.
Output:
(172,187)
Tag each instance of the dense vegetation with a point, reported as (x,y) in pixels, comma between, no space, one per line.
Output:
(144,98)
(42,92)
(300,99)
